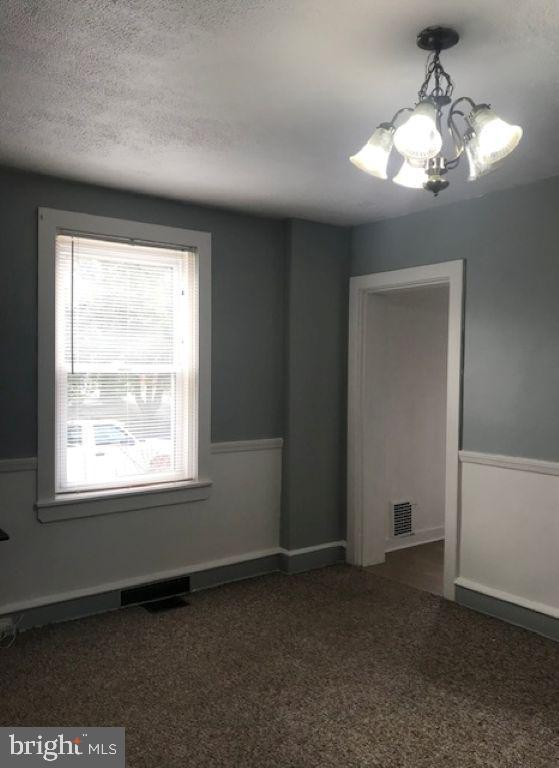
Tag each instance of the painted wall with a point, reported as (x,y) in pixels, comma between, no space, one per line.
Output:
(508,520)
(51,562)
(313,491)
(248,324)
(511,356)
(406,411)
(253,309)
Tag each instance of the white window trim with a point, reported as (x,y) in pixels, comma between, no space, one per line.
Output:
(52,506)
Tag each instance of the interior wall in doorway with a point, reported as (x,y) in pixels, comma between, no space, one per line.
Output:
(414,325)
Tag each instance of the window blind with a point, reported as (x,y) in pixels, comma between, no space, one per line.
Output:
(126,407)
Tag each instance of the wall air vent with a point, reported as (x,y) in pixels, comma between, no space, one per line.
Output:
(402,521)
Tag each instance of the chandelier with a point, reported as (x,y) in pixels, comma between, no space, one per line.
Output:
(485,139)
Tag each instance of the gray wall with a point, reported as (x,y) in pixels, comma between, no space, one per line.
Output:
(248,260)
(510,241)
(279,334)
(313,490)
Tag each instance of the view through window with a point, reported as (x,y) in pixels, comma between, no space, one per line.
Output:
(126,364)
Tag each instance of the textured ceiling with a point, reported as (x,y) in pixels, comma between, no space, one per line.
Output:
(256,104)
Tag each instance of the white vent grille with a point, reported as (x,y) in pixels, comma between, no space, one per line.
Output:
(402,520)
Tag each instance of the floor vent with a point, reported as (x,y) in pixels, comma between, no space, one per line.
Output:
(157,590)
(402,522)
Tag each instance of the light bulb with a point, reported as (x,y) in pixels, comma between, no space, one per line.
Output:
(495,138)
(373,158)
(411,176)
(418,138)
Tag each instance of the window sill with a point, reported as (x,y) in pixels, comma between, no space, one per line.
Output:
(93,503)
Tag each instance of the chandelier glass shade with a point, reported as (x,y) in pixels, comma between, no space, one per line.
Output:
(485,138)
(418,139)
(411,176)
(495,139)
(373,157)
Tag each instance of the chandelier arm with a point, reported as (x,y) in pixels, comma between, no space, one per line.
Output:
(398,113)
(453,162)
(438,120)
(450,165)
(455,133)
(471,102)
(458,139)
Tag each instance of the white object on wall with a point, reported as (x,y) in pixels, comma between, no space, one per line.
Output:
(52,562)
(510,530)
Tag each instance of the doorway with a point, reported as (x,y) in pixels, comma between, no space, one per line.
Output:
(403,429)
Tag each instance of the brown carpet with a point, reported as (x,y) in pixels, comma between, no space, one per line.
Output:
(333,668)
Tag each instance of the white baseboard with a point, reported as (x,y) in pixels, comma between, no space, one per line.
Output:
(423,536)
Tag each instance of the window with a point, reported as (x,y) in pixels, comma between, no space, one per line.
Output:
(123,361)
(126,363)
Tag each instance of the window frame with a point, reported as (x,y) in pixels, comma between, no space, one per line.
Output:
(50,505)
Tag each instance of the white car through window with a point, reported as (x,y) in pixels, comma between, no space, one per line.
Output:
(103,449)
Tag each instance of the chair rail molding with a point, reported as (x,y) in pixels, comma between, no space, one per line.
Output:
(510,462)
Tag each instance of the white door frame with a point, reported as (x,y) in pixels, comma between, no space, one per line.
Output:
(448,273)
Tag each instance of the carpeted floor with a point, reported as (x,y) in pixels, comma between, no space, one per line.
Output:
(336,667)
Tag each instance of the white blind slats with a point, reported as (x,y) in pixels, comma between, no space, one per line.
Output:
(127,364)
